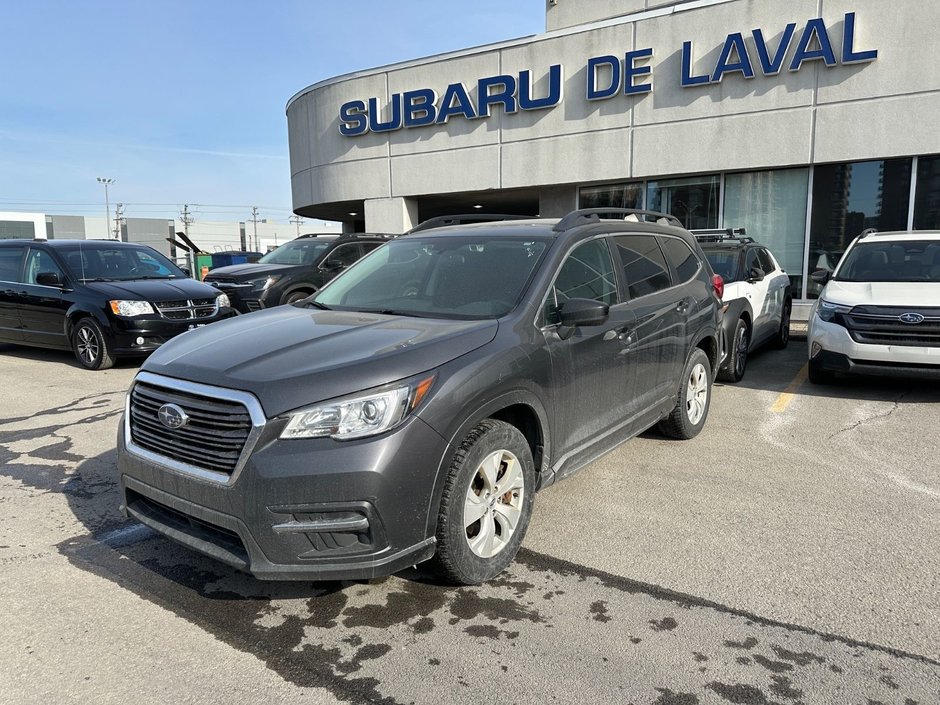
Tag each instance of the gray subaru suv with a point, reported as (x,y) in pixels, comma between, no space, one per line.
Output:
(412,408)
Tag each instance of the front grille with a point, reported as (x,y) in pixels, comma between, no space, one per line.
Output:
(213,438)
(881,325)
(188,309)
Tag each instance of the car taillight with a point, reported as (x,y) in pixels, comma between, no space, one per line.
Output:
(718,284)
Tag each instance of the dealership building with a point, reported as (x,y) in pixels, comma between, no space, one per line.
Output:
(804,121)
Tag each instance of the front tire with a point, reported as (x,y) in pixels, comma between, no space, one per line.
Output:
(738,353)
(90,346)
(486,505)
(783,335)
(695,394)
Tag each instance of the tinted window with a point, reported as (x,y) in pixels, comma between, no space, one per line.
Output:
(680,257)
(344,255)
(39,262)
(766,262)
(10,258)
(439,277)
(588,273)
(644,266)
(725,263)
(119,263)
(367,247)
(751,262)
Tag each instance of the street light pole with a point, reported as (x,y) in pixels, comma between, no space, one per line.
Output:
(107,205)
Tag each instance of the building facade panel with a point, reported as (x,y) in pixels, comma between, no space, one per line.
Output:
(472,169)
(589,156)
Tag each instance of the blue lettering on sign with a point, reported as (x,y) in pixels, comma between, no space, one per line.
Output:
(608,76)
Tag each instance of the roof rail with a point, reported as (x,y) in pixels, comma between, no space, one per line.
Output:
(585,216)
(442,221)
(867,232)
(722,235)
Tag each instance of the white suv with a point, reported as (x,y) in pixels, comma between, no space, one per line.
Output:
(879,313)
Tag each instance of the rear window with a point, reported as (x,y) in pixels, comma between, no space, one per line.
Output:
(913,261)
(680,256)
(726,263)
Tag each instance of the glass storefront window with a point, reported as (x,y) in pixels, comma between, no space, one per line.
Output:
(850,198)
(927,199)
(771,205)
(694,201)
(612,196)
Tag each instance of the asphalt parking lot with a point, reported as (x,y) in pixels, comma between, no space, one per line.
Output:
(789,554)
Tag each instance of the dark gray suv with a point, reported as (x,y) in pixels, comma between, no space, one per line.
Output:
(411,409)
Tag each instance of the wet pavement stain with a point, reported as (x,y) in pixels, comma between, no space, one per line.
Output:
(599,611)
(667,697)
(666,624)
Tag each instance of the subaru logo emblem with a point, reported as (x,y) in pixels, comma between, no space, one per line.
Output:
(172,416)
(911,318)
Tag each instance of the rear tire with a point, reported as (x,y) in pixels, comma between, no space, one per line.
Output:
(296,296)
(783,335)
(90,346)
(486,505)
(695,394)
(737,355)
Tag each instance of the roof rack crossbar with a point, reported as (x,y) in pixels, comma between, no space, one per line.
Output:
(722,235)
(442,221)
(868,231)
(586,216)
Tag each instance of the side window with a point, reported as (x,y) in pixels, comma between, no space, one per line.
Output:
(344,254)
(588,273)
(751,262)
(766,261)
(367,247)
(680,257)
(39,261)
(644,266)
(10,259)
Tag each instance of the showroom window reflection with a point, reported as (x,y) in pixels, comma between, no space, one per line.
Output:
(694,201)
(629,195)
(927,199)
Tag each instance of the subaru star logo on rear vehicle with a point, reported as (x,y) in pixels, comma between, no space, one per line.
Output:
(911,318)
(172,416)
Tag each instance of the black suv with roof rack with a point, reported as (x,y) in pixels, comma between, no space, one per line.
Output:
(412,408)
(757,298)
(293,271)
(102,299)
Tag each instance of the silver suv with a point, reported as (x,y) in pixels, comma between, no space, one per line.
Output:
(879,313)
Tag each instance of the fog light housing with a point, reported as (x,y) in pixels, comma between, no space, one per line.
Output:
(815,349)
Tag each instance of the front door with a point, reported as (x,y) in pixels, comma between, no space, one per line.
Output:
(593,378)
(43,309)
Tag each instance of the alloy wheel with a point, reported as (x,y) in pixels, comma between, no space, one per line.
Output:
(493,506)
(740,351)
(696,396)
(88,345)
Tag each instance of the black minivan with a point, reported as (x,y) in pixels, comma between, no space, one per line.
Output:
(102,299)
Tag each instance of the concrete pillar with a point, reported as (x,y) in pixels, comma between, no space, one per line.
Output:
(391,215)
(557,201)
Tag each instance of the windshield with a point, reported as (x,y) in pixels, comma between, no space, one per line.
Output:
(439,277)
(726,263)
(119,263)
(296,252)
(912,261)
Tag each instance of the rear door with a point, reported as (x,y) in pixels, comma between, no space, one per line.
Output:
(658,341)
(43,308)
(11,264)
(778,283)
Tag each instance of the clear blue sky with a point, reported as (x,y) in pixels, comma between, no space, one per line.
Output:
(184,101)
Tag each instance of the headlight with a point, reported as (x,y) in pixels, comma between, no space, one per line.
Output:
(130,308)
(827,310)
(223,301)
(359,416)
(263,283)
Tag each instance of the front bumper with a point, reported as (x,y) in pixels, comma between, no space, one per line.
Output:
(831,348)
(313,509)
(124,332)
(246,298)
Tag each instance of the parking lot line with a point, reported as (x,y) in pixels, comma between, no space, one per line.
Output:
(786,396)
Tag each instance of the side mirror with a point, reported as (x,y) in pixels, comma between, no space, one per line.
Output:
(187,272)
(582,312)
(49,279)
(755,275)
(331,265)
(821,276)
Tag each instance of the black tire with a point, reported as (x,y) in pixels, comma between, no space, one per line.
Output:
(456,561)
(783,333)
(737,355)
(295,296)
(91,347)
(817,375)
(682,423)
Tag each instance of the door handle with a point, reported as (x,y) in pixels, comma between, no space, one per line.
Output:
(682,306)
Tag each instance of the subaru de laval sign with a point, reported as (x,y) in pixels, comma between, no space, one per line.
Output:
(607,76)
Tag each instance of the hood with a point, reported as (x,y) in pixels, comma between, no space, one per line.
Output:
(913,294)
(291,357)
(154,289)
(242,272)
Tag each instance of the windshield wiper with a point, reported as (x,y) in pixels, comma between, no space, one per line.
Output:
(317,304)
(97,279)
